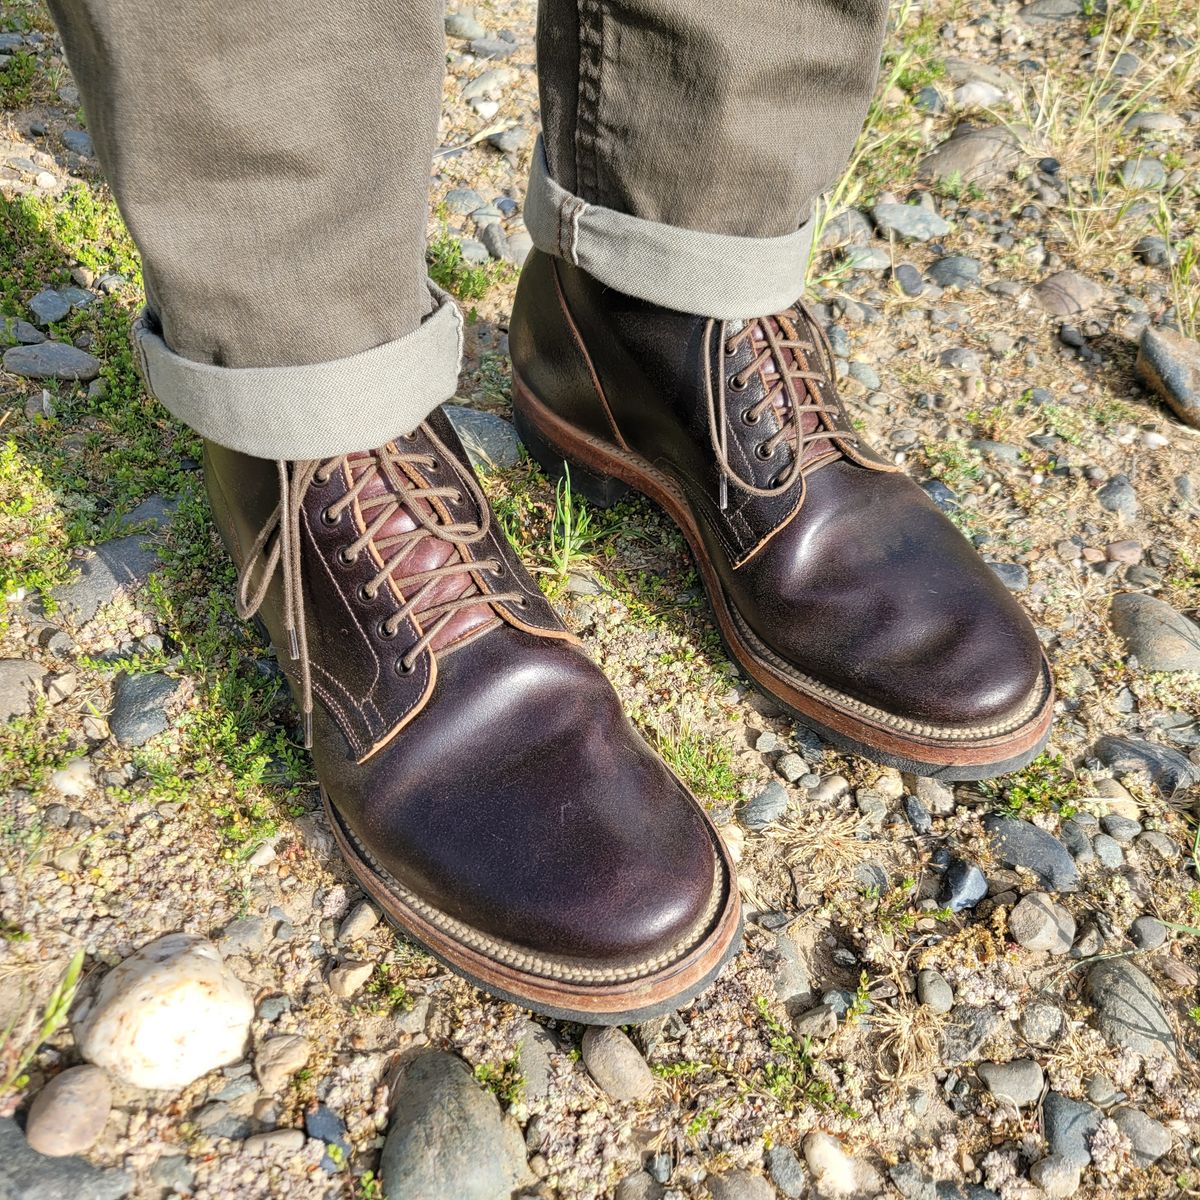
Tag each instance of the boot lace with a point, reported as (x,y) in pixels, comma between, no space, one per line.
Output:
(277,548)
(791,391)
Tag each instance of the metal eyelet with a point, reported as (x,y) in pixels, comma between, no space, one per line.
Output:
(761,451)
(497,569)
(749,417)
(403,668)
(366,595)
(738,384)
(346,558)
(522,603)
(434,465)
(327,517)
(384,632)
(320,479)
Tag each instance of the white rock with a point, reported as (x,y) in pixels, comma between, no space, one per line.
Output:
(835,1173)
(167,1015)
(75,779)
(345,980)
(279,1058)
(1056,1175)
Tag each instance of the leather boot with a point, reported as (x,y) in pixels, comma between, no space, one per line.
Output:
(478,771)
(837,585)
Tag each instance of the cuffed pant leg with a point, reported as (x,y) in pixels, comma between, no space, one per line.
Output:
(723,121)
(272,164)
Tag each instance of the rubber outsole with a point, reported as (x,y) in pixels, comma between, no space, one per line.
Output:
(603,489)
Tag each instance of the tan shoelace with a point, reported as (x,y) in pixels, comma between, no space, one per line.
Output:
(285,554)
(791,384)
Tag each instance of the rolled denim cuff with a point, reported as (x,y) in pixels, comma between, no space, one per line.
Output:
(709,274)
(316,411)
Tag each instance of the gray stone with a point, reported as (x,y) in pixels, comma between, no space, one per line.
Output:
(963,886)
(27,1175)
(447,1136)
(1069,1126)
(1154,842)
(1042,1023)
(474,252)
(959,358)
(496,240)
(909,279)
(1149,1138)
(155,512)
(639,1186)
(918,815)
(1066,293)
(277,1141)
(1154,252)
(490,86)
(912,1183)
(1045,12)
(865,374)
(20,687)
(486,47)
(1166,768)
(110,569)
(786,1171)
(1129,1010)
(1122,829)
(868,258)
(793,985)
(520,244)
(819,1022)
(1118,496)
(1154,122)
(1108,851)
(246,935)
(739,1185)
(956,270)
(911,222)
(973,155)
(768,806)
(1169,364)
(1014,576)
(791,767)
(1142,174)
(70,1112)
(1056,1175)
(1038,923)
(491,442)
(1161,638)
(967,1031)
(462,201)
(511,141)
(78,141)
(1148,933)
(14,330)
(847,227)
(51,360)
(173,1172)
(139,707)
(615,1064)
(326,1126)
(534,1048)
(933,991)
(1020,844)
(1019,1081)
(463,25)
(49,306)
(1101,1090)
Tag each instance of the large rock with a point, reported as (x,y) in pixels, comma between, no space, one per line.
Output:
(140,707)
(1019,1081)
(20,686)
(968,1029)
(1069,1126)
(1039,923)
(973,155)
(27,1175)
(109,570)
(835,1173)
(1020,844)
(1169,363)
(1166,768)
(1149,1138)
(52,360)
(70,1112)
(615,1064)
(1129,1010)
(1161,638)
(167,1015)
(912,222)
(1067,293)
(490,441)
(447,1136)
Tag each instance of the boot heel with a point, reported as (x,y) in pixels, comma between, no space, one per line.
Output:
(600,490)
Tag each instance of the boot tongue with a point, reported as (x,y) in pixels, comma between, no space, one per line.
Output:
(431,551)
(794,360)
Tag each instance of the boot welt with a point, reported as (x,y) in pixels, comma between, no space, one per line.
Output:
(603,473)
(593,994)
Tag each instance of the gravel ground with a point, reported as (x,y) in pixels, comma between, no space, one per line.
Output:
(985,991)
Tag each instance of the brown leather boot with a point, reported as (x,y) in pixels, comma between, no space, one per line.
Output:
(478,771)
(837,585)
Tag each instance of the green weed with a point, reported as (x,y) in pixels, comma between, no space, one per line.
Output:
(503,1080)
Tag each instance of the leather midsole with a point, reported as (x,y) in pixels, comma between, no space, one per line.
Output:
(835,709)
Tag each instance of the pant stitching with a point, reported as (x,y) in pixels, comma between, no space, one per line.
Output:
(591,57)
